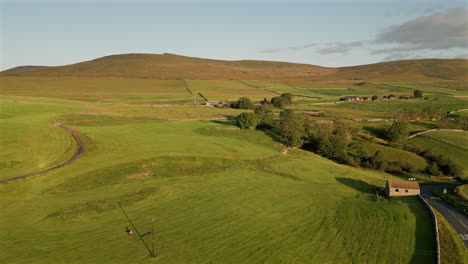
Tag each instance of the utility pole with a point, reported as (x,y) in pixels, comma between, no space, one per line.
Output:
(152,233)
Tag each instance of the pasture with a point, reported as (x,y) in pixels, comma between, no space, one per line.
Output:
(218,193)
(448,143)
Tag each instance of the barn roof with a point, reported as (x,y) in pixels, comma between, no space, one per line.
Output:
(403,184)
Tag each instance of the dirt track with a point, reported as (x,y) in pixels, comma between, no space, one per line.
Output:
(435,129)
(79,150)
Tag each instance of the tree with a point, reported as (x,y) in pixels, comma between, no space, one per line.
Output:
(265,116)
(287,97)
(375,97)
(433,169)
(278,101)
(292,128)
(247,120)
(243,103)
(282,100)
(397,131)
(418,94)
(286,113)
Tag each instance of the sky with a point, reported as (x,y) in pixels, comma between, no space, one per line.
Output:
(331,33)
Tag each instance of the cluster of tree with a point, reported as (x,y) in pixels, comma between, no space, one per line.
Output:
(242,103)
(377,161)
(282,100)
(293,128)
(457,122)
(262,118)
(360,84)
(278,101)
(427,113)
(331,138)
(438,164)
(396,132)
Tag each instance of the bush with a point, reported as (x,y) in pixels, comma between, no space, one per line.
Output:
(247,120)
(418,94)
(375,97)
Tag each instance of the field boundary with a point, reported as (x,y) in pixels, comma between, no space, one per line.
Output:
(79,150)
(187,88)
(436,227)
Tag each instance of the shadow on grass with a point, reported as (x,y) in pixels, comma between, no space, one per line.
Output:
(376,131)
(424,249)
(272,135)
(229,122)
(359,185)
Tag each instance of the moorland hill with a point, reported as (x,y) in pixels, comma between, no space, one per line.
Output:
(170,66)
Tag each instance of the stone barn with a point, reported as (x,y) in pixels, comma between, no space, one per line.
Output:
(401,188)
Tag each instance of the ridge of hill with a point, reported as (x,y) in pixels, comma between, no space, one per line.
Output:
(170,66)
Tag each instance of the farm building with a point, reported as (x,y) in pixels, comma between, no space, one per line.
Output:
(351,98)
(401,188)
(214,103)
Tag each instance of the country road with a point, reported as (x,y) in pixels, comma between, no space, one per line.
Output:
(79,150)
(457,219)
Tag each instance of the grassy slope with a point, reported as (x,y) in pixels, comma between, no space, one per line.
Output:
(168,66)
(218,195)
(95,89)
(451,144)
(452,249)
(29,140)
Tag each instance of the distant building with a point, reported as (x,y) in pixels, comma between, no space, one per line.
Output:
(351,98)
(213,103)
(401,188)
(405,97)
(391,97)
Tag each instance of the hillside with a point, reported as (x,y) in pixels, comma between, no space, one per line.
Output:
(169,66)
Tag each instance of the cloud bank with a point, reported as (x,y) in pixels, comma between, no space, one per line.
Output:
(281,49)
(439,31)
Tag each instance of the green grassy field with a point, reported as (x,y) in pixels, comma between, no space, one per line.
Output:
(218,194)
(448,143)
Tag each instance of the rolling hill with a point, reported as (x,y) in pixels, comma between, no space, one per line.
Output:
(170,66)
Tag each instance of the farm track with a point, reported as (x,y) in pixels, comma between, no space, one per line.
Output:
(79,150)
(435,129)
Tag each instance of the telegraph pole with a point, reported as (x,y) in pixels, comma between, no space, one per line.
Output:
(152,233)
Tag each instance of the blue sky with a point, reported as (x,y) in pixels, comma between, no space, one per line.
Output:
(328,33)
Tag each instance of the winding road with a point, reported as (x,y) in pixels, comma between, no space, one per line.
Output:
(79,150)
(458,220)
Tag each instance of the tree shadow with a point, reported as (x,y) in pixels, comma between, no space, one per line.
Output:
(358,185)
(376,131)
(272,135)
(228,122)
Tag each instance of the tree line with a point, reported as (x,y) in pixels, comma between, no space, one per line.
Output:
(339,140)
